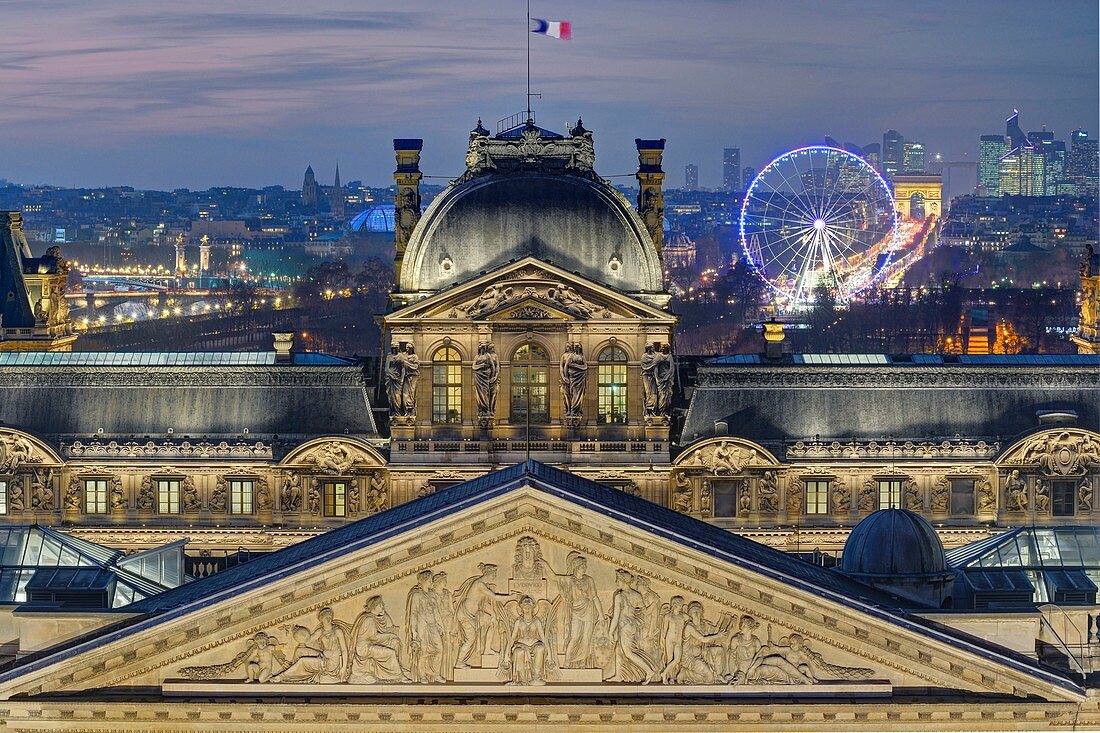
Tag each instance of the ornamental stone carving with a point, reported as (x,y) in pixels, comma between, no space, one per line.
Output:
(486,374)
(166,449)
(1058,453)
(219,497)
(842,498)
(401,373)
(767,494)
(313,498)
(1042,497)
(118,495)
(263,494)
(1084,496)
(987,496)
(893,449)
(42,492)
(794,496)
(683,493)
(706,499)
(1015,492)
(190,494)
(530,619)
(16,452)
(290,496)
(868,496)
(377,496)
(146,497)
(941,491)
(16,495)
(726,458)
(664,374)
(72,494)
(911,494)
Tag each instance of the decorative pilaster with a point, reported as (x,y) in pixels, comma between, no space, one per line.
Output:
(407,176)
(651,197)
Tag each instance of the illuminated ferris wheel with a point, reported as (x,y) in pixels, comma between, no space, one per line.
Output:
(818,217)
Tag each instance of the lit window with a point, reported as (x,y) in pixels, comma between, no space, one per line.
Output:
(95,496)
(817,497)
(240,497)
(168,496)
(446,386)
(336,499)
(889,493)
(3,497)
(611,386)
(530,369)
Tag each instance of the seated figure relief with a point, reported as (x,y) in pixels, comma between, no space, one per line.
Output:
(587,624)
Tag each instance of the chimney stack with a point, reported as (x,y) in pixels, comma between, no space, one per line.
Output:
(406,201)
(651,197)
(773,339)
(284,342)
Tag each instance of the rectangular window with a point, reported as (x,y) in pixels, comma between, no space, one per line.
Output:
(611,393)
(889,493)
(1063,496)
(725,498)
(817,497)
(447,392)
(95,496)
(168,496)
(3,497)
(240,497)
(336,493)
(962,496)
(529,385)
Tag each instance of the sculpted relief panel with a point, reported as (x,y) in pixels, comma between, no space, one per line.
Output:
(539,615)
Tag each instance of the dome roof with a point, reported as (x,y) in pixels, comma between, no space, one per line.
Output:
(376,219)
(894,542)
(577,222)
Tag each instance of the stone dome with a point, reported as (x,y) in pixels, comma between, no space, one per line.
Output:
(894,543)
(577,222)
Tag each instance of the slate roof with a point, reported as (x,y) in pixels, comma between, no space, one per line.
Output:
(612,503)
(194,394)
(876,396)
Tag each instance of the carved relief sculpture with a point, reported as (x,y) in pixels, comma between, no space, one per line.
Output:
(914,501)
(1015,492)
(15,452)
(219,497)
(767,496)
(377,499)
(313,498)
(263,494)
(941,491)
(744,498)
(42,493)
(1084,496)
(842,498)
(118,495)
(486,373)
(1060,454)
(190,494)
(987,496)
(683,493)
(474,604)
(290,496)
(868,496)
(15,495)
(706,499)
(72,494)
(1042,497)
(794,496)
(583,615)
(146,496)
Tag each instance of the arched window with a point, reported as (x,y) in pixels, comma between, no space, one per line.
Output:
(530,393)
(446,386)
(611,386)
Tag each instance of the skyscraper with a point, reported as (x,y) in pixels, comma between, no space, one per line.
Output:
(991,148)
(1081,164)
(1022,168)
(731,169)
(913,158)
(691,177)
(892,149)
(873,154)
(748,174)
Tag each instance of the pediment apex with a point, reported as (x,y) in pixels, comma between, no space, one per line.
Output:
(581,563)
(573,295)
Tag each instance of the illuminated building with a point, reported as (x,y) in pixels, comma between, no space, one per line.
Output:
(309,189)
(991,148)
(748,175)
(691,177)
(731,169)
(913,158)
(893,145)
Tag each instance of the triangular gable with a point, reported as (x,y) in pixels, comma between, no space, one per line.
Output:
(762,619)
(537,282)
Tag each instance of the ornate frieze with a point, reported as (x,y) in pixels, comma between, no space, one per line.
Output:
(1057,453)
(16,451)
(893,449)
(532,617)
(968,377)
(203,449)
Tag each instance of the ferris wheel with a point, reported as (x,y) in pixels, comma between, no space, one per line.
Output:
(818,217)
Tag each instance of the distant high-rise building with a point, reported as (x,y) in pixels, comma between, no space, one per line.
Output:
(873,154)
(1023,167)
(309,189)
(991,148)
(913,158)
(1016,136)
(1081,164)
(731,169)
(691,177)
(893,145)
(748,175)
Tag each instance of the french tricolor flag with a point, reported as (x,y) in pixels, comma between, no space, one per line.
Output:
(562,29)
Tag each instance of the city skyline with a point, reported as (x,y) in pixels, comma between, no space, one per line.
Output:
(118,95)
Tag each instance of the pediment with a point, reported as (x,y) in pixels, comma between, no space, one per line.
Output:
(528,289)
(499,595)
(22,451)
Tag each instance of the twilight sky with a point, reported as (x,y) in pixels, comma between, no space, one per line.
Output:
(200,93)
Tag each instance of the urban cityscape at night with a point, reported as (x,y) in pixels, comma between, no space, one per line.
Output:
(692,366)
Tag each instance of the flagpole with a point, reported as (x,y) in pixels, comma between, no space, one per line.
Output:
(528,59)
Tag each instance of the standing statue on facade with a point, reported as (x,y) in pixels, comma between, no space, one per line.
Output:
(393,373)
(486,370)
(574,381)
(408,381)
(664,374)
(648,366)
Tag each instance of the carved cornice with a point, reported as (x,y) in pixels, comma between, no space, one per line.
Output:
(893,449)
(270,376)
(894,377)
(203,449)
